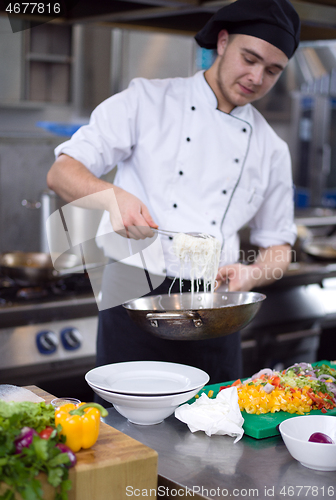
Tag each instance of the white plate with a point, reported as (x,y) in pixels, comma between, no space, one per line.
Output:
(145,395)
(145,401)
(147,378)
(145,410)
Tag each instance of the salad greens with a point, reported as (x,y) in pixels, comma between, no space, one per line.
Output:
(320,378)
(20,471)
(26,414)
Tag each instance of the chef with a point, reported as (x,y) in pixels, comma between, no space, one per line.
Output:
(193,154)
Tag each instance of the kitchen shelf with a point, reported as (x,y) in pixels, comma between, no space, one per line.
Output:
(49,58)
(316,221)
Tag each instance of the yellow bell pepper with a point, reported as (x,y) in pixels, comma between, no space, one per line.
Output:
(80,423)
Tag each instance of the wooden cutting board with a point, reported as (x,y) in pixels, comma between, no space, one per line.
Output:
(104,471)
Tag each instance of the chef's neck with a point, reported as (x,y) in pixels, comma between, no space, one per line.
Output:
(211,78)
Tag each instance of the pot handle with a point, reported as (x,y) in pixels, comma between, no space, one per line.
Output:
(154,317)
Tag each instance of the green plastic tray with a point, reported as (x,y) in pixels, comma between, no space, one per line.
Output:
(266,425)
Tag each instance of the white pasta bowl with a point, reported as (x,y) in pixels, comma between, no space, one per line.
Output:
(145,410)
(147,378)
(296,432)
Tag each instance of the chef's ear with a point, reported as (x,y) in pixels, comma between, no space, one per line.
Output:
(222,41)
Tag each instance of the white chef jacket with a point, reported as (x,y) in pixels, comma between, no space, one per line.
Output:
(195,167)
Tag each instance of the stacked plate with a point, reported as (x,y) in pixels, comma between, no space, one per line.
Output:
(146,392)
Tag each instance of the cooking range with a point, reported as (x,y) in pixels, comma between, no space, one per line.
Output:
(48,334)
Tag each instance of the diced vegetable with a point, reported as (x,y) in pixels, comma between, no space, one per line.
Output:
(65,449)
(320,437)
(268,388)
(299,389)
(24,439)
(275,380)
(47,432)
(237,382)
(254,399)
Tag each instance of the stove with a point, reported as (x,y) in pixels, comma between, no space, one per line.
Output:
(48,335)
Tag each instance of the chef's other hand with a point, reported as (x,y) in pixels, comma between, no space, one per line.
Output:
(270,265)
(238,276)
(133,219)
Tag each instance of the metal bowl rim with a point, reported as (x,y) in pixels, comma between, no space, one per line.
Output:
(260,298)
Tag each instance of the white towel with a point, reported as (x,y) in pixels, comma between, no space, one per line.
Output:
(220,415)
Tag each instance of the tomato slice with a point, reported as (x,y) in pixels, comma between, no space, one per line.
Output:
(275,380)
(46,433)
(237,382)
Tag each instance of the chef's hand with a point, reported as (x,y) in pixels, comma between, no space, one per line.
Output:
(76,184)
(132,219)
(239,277)
(269,266)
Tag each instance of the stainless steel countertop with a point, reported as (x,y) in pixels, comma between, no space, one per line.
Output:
(214,467)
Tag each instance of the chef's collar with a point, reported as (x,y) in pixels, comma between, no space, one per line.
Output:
(242,112)
(204,87)
(274,21)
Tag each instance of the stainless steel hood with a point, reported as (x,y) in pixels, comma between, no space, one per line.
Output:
(184,16)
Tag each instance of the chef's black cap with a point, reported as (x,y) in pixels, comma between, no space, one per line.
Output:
(275,21)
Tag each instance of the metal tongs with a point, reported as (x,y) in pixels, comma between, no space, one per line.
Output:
(165,232)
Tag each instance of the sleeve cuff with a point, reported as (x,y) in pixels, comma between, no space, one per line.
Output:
(266,239)
(84,156)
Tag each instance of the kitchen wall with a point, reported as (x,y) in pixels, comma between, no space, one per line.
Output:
(24,163)
(103,61)
(10,54)
(153,55)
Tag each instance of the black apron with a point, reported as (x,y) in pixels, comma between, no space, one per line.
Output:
(120,339)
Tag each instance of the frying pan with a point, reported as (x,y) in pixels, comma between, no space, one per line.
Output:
(194,317)
(36,268)
(321,248)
